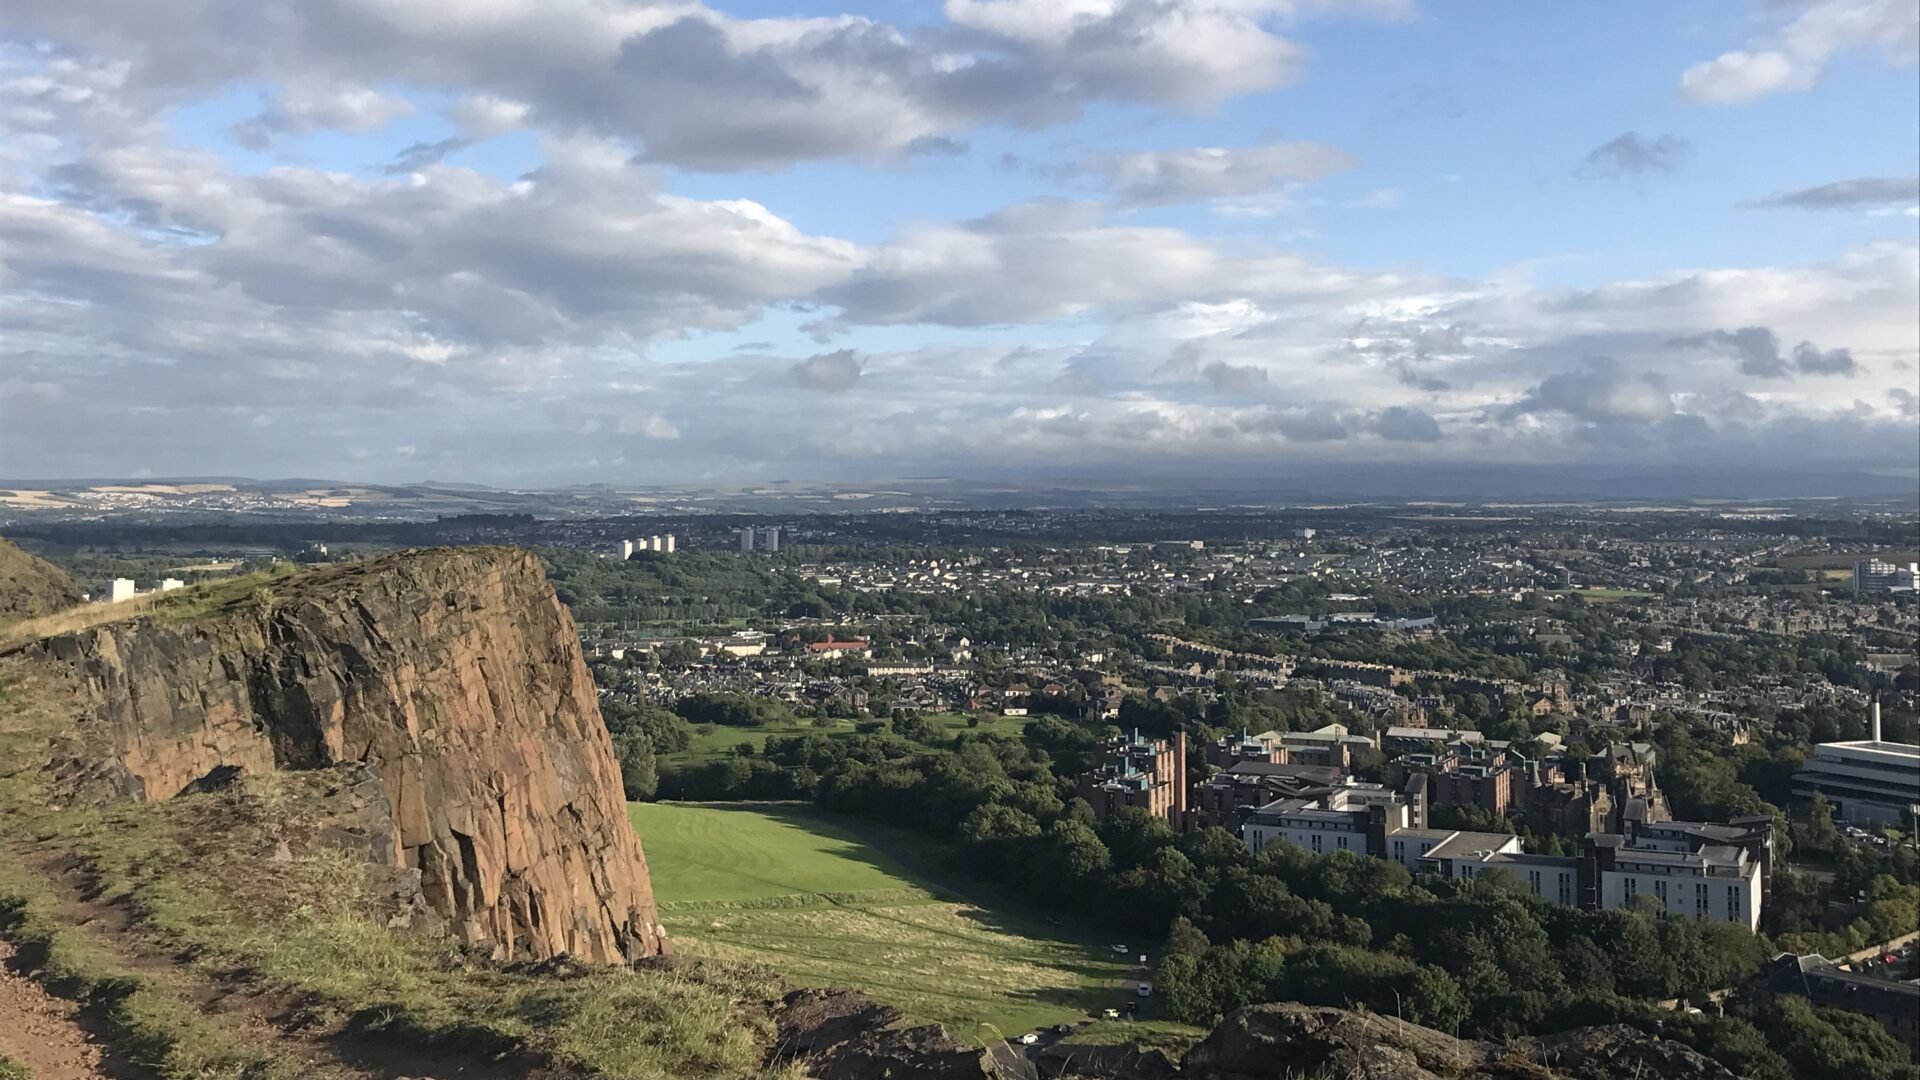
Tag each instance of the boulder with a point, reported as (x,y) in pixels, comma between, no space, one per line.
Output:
(842,1034)
(1288,1041)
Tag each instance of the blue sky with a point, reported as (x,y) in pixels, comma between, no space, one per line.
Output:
(656,240)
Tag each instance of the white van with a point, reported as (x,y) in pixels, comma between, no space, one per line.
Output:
(1145,990)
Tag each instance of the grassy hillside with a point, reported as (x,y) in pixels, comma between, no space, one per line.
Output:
(825,900)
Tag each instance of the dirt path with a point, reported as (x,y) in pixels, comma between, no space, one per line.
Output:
(39,1031)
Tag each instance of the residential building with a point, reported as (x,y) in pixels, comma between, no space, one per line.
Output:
(121,589)
(1894,1005)
(1228,798)
(1132,770)
(746,540)
(1680,866)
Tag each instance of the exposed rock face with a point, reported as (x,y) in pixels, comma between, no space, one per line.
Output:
(1271,1042)
(844,1035)
(31,586)
(456,675)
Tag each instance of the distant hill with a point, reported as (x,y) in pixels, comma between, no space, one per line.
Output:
(31,586)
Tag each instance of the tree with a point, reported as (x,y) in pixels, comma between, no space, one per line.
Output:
(1821,834)
(639,772)
(1435,999)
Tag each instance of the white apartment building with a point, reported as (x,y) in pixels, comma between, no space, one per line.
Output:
(1691,869)
(1718,883)
(121,589)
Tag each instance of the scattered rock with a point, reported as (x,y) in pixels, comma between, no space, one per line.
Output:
(1105,1063)
(218,778)
(844,1035)
(1289,1040)
(1600,1053)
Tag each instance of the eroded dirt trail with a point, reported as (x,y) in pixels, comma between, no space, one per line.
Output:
(39,1031)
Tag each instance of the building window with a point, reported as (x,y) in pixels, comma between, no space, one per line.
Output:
(1533,879)
(1700,900)
(1316,843)
(1660,890)
(1400,851)
(1733,904)
(1566,890)
(1342,841)
(1633,887)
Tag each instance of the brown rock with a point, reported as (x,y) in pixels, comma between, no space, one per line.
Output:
(456,675)
(844,1035)
(1288,1040)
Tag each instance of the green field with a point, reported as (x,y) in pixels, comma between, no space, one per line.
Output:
(721,741)
(1609,596)
(826,900)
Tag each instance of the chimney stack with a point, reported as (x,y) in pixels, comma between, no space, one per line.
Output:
(1180,781)
(1875,730)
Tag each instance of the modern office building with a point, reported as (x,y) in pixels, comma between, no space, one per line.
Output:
(1870,782)
(1872,575)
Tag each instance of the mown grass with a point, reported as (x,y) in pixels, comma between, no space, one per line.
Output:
(786,886)
(197,876)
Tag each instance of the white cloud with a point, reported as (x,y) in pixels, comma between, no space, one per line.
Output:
(1794,57)
(691,85)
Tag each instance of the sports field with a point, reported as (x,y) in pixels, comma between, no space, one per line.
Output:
(818,899)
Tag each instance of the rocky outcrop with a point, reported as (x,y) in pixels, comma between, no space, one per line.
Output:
(841,1034)
(1292,1041)
(455,675)
(31,586)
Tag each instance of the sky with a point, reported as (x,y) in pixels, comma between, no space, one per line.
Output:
(534,242)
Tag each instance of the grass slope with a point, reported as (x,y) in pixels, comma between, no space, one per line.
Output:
(827,900)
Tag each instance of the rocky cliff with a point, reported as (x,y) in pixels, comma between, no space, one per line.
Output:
(30,585)
(455,674)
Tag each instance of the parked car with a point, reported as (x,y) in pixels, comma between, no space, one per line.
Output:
(1144,990)
(1066,1029)
(1121,949)
(1112,1014)
(1029,1039)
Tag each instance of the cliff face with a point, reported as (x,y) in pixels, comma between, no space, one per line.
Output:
(30,585)
(456,674)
